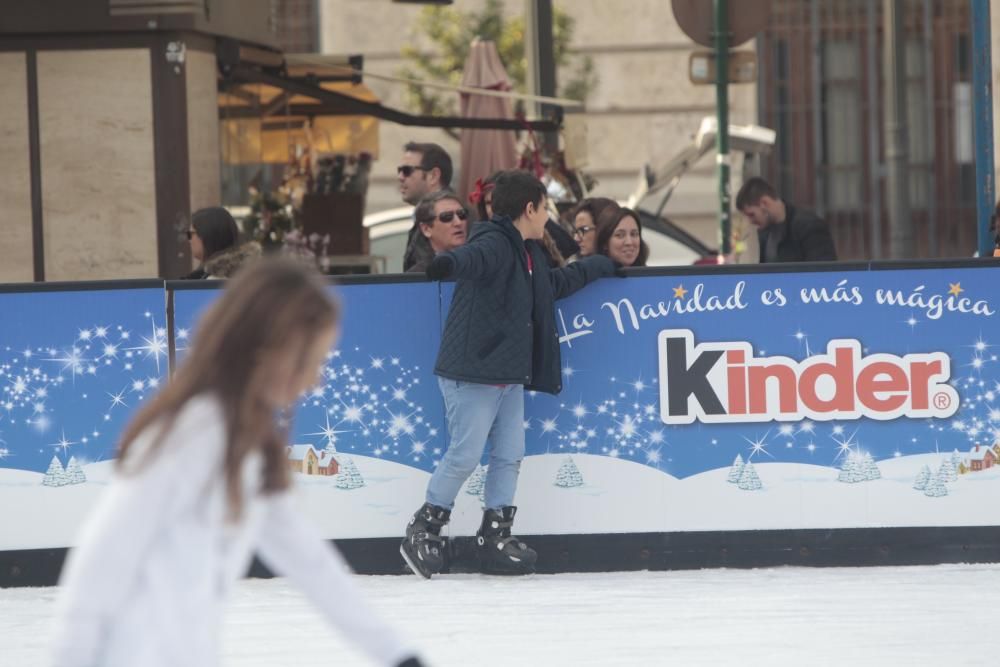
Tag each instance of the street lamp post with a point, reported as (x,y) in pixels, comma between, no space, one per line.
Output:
(721,38)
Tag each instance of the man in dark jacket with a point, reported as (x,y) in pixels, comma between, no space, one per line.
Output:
(785,233)
(500,338)
(424,170)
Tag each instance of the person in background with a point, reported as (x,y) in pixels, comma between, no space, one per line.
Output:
(212,232)
(995,230)
(500,339)
(584,218)
(202,482)
(619,236)
(482,197)
(785,233)
(424,169)
(443,221)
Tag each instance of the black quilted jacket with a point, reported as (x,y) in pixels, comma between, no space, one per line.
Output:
(501,327)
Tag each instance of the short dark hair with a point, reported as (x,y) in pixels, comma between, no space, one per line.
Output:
(432,156)
(752,191)
(216,229)
(424,212)
(514,190)
(608,222)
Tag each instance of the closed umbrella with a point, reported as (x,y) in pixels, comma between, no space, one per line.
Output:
(485,151)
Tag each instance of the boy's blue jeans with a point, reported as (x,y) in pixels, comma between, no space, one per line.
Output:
(477,413)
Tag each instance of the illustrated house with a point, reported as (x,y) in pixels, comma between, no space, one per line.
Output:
(981,457)
(303,458)
(328,464)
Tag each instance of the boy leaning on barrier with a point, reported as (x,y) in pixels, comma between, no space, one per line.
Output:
(500,338)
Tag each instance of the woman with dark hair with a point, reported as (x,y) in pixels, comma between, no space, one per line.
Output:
(482,196)
(215,244)
(619,236)
(584,218)
(202,483)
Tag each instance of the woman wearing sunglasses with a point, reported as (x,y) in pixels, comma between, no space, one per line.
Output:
(443,221)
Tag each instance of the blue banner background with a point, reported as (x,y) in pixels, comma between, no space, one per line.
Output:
(380,397)
(73,367)
(611,385)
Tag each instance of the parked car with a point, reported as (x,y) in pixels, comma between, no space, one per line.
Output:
(669,244)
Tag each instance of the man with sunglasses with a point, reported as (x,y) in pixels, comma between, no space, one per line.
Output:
(443,221)
(425,169)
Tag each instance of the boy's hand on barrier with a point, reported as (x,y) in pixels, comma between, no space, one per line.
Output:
(440,267)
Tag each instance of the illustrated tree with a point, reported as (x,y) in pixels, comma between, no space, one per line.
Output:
(935,487)
(869,468)
(568,474)
(476,486)
(948,470)
(923,477)
(451,32)
(749,481)
(736,470)
(851,471)
(956,460)
(55,475)
(74,473)
(349,476)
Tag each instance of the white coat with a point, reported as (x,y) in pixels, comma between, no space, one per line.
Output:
(157,558)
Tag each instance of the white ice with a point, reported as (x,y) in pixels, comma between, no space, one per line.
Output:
(944,615)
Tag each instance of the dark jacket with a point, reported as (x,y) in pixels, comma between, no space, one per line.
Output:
(418,250)
(501,327)
(807,238)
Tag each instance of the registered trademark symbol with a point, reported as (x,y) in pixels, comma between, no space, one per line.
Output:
(942,401)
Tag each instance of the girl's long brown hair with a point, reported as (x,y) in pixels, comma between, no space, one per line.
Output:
(272,309)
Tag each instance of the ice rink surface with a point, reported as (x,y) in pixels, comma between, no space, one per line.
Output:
(945,616)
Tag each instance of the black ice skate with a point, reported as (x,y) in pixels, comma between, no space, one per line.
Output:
(499,553)
(423,547)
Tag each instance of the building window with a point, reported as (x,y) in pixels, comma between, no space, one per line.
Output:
(842,124)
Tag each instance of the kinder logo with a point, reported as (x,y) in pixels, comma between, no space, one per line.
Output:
(724,382)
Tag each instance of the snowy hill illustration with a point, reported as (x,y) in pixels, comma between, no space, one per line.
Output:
(615,496)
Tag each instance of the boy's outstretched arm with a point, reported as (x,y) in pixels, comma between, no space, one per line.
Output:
(482,257)
(573,277)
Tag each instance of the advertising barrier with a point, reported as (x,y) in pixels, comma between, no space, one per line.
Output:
(787,412)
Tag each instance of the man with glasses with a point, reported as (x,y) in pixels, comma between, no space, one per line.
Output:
(443,221)
(424,169)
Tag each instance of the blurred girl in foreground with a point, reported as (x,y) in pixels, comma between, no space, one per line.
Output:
(202,482)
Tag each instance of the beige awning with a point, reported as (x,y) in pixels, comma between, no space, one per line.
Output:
(262,123)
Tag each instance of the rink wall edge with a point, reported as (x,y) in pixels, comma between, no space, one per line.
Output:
(845,547)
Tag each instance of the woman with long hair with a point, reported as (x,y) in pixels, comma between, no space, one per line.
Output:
(202,482)
(215,244)
(619,236)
